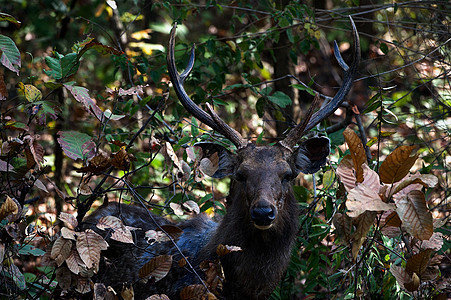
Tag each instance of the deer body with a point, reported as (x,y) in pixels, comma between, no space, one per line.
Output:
(262,212)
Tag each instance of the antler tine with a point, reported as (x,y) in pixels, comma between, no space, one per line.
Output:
(234,136)
(212,120)
(296,133)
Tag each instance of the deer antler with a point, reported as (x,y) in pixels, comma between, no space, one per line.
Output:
(178,80)
(311,121)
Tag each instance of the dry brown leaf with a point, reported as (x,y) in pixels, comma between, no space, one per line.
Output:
(158,267)
(419,262)
(196,292)
(5,167)
(222,250)
(435,242)
(89,245)
(343,226)
(209,165)
(74,262)
(191,206)
(61,250)
(2,252)
(121,233)
(83,285)
(63,277)
(171,156)
(69,220)
(363,224)
(154,236)
(9,207)
(400,274)
(127,293)
(177,208)
(415,216)
(40,185)
(59,192)
(110,222)
(68,234)
(414,284)
(347,176)
(174,231)
(121,160)
(357,152)
(98,164)
(162,236)
(413,180)
(431,273)
(397,164)
(391,219)
(363,198)
(158,297)
(37,150)
(3,89)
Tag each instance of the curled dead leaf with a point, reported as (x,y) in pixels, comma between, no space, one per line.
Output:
(9,207)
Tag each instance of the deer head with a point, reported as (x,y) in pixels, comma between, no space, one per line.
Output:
(262,175)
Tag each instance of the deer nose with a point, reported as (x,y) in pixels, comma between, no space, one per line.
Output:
(263,216)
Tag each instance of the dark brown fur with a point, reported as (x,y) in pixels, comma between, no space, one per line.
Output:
(251,273)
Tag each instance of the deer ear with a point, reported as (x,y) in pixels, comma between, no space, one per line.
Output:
(312,154)
(222,161)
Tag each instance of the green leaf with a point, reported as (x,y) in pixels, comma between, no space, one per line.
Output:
(62,66)
(304,88)
(28,249)
(260,107)
(384,48)
(76,144)
(10,55)
(194,127)
(281,99)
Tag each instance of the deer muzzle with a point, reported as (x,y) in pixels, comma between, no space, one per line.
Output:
(263,215)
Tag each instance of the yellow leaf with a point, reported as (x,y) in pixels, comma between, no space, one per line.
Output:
(397,164)
(30,92)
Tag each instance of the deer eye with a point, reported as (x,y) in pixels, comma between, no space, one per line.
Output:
(287,177)
(240,176)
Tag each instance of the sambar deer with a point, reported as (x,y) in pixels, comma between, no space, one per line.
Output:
(262,212)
